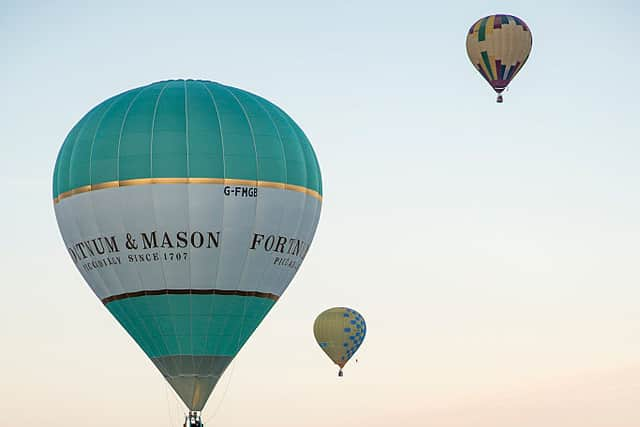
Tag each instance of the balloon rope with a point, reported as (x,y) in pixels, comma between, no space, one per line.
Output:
(233,364)
(166,395)
(168,392)
(224,394)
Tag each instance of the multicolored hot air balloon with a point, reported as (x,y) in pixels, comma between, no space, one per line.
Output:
(498,46)
(187,206)
(340,331)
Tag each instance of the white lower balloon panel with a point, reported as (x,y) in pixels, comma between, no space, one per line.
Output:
(187,236)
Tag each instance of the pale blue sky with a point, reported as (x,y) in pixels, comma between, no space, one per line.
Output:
(493,249)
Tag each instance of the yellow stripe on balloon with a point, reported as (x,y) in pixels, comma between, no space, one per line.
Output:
(492,62)
(489,27)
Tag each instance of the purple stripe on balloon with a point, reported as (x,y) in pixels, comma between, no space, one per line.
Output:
(497,21)
(514,69)
(499,70)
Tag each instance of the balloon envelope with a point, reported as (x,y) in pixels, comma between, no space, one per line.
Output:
(339,331)
(498,46)
(187,206)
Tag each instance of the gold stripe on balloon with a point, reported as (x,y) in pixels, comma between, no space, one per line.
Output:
(223,181)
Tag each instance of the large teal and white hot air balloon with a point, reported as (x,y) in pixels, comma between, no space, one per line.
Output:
(188,207)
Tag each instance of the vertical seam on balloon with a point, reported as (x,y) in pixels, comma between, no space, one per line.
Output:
(95,134)
(119,281)
(75,218)
(301,221)
(153,202)
(255,214)
(284,159)
(491,64)
(186,126)
(66,166)
(54,188)
(76,221)
(162,337)
(287,123)
(507,59)
(144,300)
(497,47)
(56,170)
(296,138)
(302,142)
(101,273)
(153,128)
(314,157)
(79,233)
(259,101)
(514,53)
(75,145)
(319,173)
(124,120)
(315,219)
(188,188)
(310,160)
(508,74)
(215,107)
(139,277)
(224,175)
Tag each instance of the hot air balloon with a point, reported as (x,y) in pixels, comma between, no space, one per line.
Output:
(187,206)
(339,331)
(498,46)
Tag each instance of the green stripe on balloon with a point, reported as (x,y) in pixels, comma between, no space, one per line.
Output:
(483,29)
(485,58)
(199,325)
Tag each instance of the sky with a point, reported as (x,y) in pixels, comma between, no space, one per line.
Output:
(492,248)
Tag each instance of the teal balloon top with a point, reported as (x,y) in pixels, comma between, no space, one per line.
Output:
(185,129)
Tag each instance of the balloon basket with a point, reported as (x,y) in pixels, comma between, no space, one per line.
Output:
(499,99)
(193,420)
(340,374)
